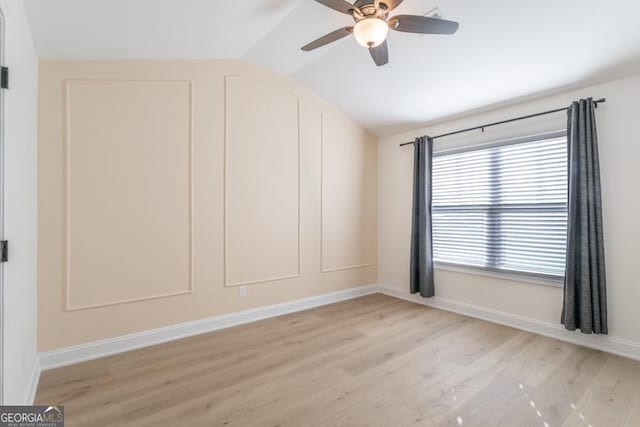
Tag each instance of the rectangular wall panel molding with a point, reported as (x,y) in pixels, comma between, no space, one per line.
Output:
(128,189)
(262,182)
(346,202)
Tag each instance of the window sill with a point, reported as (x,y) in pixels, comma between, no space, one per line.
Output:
(478,271)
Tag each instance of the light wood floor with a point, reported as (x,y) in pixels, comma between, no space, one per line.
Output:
(372,361)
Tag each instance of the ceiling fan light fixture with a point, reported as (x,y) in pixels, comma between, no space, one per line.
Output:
(373,22)
(371,32)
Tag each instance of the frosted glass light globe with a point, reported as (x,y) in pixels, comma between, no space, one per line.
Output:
(371,32)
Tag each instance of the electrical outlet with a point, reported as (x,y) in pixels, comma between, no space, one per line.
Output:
(242,291)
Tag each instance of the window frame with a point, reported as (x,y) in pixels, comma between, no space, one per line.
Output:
(506,274)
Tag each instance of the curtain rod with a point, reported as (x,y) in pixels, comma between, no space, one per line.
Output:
(503,122)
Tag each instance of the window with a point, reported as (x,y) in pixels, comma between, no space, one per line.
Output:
(503,207)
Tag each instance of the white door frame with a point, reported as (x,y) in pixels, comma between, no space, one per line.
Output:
(2,125)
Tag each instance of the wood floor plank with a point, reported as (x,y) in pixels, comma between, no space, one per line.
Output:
(610,398)
(241,405)
(564,386)
(476,339)
(490,405)
(430,327)
(541,356)
(226,377)
(633,416)
(381,382)
(370,361)
(437,400)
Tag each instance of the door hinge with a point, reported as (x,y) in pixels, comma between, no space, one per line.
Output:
(4,77)
(4,249)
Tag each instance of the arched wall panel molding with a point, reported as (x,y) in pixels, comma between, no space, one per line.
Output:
(262,182)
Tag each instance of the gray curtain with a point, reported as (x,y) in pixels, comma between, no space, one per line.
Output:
(421,236)
(585,291)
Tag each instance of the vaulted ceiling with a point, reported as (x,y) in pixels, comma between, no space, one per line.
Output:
(504,49)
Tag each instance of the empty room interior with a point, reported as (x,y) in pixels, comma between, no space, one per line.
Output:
(320,213)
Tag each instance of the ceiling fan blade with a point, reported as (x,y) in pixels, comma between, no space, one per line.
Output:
(380,54)
(390,4)
(329,38)
(339,5)
(422,25)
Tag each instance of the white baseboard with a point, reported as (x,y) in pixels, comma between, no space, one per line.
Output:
(33,383)
(94,350)
(107,347)
(609,344)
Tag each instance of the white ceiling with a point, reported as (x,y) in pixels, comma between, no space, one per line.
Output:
(504,49)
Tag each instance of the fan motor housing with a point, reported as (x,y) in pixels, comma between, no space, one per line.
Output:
(366,7)
(361,3)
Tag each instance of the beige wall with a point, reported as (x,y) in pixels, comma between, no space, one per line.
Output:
(163,185)
(619,151)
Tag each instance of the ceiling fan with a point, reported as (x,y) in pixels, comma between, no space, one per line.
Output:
(373,23)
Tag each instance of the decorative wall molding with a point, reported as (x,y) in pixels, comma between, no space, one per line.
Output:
(323,269)
(226,188)
(618,346)
(68,307)
(349,267)
(94,350)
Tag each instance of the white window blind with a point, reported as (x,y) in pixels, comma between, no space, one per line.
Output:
(503,207)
